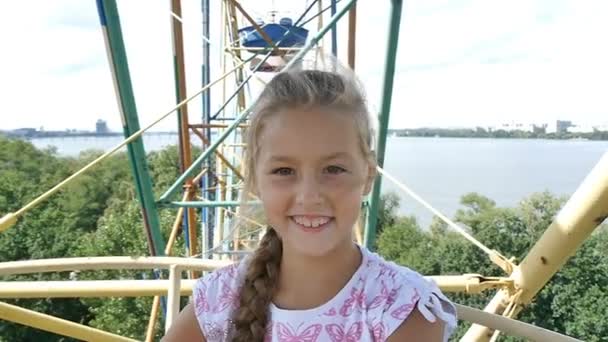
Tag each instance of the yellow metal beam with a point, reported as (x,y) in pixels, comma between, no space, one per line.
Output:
(90,288)
(56,325)
(107,263)
(584,211)
(510,326)
(471,283)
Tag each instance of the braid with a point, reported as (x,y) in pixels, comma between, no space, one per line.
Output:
(260,284)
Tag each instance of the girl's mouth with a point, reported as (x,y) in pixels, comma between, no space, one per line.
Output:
(311,224)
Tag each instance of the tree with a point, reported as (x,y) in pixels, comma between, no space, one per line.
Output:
(96,215)
(573,302)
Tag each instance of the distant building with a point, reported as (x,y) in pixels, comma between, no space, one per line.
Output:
(101,127)
(23,132)
(514,126)
(562,126)
(581,129)
(600,128)
(539,129)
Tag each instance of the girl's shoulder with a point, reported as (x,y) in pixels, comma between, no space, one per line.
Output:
(212,290)
(215,296)
(392,292)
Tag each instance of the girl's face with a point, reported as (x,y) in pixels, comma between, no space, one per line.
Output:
(311,176)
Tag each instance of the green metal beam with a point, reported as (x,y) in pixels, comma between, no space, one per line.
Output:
(110,21)
(385,110)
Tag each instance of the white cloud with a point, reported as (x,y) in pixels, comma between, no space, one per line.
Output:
(459,62)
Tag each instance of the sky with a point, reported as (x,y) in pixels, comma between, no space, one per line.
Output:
(460,63)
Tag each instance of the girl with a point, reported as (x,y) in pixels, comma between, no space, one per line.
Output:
(310,162)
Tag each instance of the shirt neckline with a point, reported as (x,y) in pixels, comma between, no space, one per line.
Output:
(277,312)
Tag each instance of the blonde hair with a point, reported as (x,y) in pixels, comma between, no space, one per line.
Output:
(293,88)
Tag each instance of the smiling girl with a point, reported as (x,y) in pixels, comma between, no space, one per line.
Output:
(310,161)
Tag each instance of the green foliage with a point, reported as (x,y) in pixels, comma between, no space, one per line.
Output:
(99,215)
(387,212)
(96,215)
(574,302)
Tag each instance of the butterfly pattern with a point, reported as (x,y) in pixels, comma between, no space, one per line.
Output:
(377,331)
(331,312)
(201,304)
(268,336)
(337,332)
(355,301)
(374,304)
(404,310)
(308,334)
(229,298)
(213,331)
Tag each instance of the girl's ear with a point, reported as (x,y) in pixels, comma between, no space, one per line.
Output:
(371,176)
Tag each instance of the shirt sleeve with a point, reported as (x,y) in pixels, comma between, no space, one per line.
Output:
(200,301)
(412,291)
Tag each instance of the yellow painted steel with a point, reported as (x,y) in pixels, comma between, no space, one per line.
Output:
(56,325)
(107,263)
(513,327)
(175,281)
(90,288)
(471,283)
(7,221)
(586,209)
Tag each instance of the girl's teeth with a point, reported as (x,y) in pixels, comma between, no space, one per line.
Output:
(304,221)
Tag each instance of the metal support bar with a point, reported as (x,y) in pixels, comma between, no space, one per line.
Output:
(334,31)
(110,22)
(136,288)
(584,211)
(56,325)
(385,110)
(352,36)
(205,204)
(256,26)
(173,294)
(220,155)
(171,191)
(179,69)
(106,263)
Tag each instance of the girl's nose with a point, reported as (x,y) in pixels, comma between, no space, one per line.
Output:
(309,192)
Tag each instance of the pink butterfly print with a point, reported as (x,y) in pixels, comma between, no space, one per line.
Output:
(404,310)
(356,300)
(213,331)
(202,304)
(386,269)
(392,297)
(378,332)
(228,298)
(215,275)
(379,299)
(268,334)
(231,270)
(337,334)
(331,312)
(287,334)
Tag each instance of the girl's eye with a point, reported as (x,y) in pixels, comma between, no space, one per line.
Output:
(334,169)
(282,171)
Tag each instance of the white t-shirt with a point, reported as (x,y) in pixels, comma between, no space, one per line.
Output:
(370,307)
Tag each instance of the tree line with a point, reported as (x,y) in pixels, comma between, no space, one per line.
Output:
(99,215)
(481,132)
